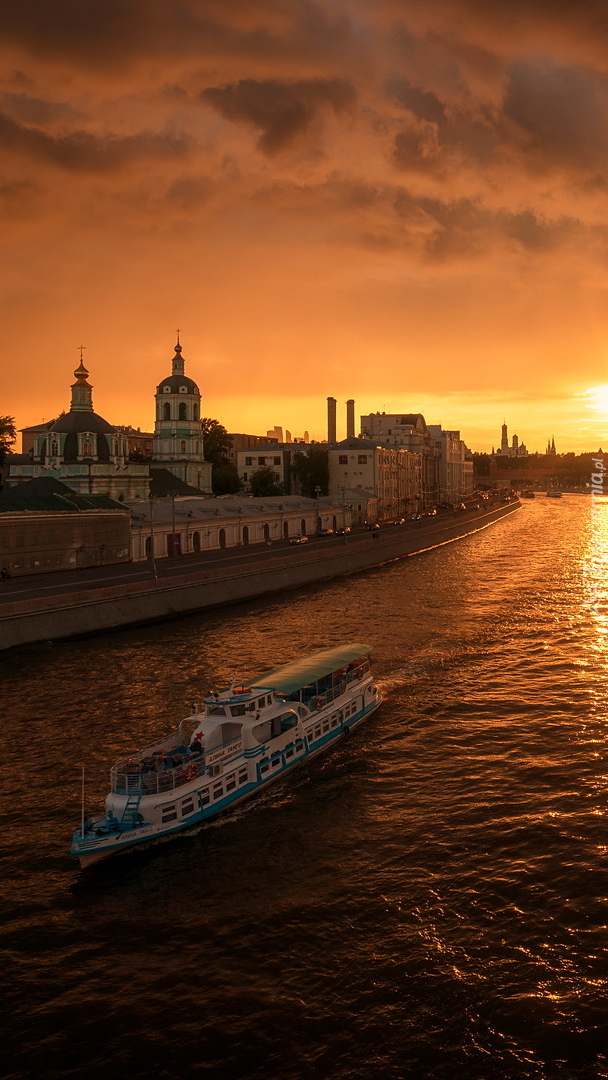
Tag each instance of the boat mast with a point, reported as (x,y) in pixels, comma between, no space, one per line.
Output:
(82,825)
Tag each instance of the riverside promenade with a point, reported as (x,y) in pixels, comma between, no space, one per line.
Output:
(67,604)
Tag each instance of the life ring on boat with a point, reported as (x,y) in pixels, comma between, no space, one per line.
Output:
(191,771)
(320,703)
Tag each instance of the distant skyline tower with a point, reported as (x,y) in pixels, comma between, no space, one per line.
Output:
(331,419)
(350,418)
(504,440)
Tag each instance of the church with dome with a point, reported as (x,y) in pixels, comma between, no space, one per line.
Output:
(91,456)
(178,440)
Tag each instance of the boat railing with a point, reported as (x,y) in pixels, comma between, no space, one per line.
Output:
(158,773)
(163,771)
(325,697)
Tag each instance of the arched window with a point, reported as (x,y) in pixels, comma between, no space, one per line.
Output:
(195,412)
(86,448)
(196,541)
(245,534)
(286,530)
(148,547)
(222,538)
(335,521)
(54,448)
(303,527)
(266,532)
(166,411)
(182,410)
(182,446)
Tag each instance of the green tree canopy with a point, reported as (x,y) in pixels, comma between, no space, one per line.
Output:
(8,434)
(311,470)
(217,443)
(225,479)
(264,482)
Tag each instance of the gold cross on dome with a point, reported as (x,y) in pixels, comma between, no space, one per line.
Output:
(81,347)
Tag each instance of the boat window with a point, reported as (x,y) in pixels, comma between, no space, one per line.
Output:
(238,710)
(302,711)
(275,761)
(231,782)
(289,753)
(215,710)
(218,791)
(243,776)
(326,726)
(204,797)
(187,808)
(264,768)
(169,814)
(261,732)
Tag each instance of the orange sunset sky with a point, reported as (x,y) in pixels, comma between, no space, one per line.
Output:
(400,201)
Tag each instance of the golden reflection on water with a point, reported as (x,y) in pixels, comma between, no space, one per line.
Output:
(595,571)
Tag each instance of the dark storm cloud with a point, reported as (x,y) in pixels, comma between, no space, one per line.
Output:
(424,104)
(562,113)
(82,151)
(31,110)
(281,110)
(110,33)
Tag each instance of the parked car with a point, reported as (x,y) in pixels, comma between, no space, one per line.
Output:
(299,540)
(326,532)
(344,531)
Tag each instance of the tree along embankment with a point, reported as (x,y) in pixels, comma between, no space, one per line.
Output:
(86,610)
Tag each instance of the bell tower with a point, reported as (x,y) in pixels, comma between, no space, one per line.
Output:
(178,439)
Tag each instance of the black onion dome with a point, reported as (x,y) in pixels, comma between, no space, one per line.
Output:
(175,381)
(74,423)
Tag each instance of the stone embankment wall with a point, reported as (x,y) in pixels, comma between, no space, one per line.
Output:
(83,611)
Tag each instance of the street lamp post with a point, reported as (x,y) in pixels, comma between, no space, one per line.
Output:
(172,497)
(151,501)
(318,523)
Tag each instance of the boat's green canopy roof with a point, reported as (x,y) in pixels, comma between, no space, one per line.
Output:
(309,669)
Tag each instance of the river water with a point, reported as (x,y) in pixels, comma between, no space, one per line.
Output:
(427,900)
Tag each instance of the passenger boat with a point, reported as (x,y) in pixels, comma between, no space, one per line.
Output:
(528,493)
(238,743)
(554,493)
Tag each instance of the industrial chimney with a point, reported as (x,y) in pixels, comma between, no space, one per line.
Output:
(331,419)
(350,419)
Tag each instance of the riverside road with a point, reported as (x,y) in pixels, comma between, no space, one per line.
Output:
(36,586)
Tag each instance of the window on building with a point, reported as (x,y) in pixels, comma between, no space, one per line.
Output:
(343,459)
(183,446)
(362,459)
(277,461)
(182,410)
(166,411)
(248,461)
(261,461)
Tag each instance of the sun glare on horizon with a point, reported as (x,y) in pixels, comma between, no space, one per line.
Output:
(597,398)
